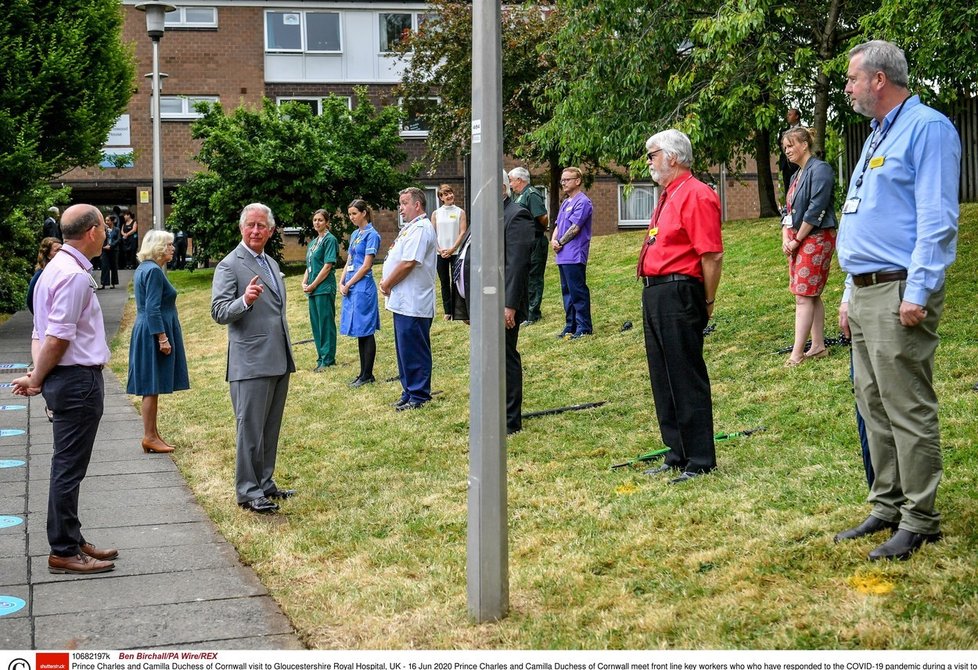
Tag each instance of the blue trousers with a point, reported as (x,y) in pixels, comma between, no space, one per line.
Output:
(412,341)
(577,298)
(75,394)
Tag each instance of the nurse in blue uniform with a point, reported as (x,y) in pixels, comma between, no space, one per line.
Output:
(361,313)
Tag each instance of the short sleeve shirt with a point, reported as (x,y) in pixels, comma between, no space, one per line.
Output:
(576,210)
(415,294)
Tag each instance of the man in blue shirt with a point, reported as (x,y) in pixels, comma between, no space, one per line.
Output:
(896,239)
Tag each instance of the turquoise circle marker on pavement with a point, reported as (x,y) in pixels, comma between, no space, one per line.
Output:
(13,366)
(10,604)
(10,407)
(10,521)
(11,464)
(10,432)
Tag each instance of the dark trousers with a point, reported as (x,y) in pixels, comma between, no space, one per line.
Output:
(412,341)
(577,298)
(367,348)
(674,315)
(538,267)
(445,280)
(514,381)
(75,394)
(863,438)
(110,267)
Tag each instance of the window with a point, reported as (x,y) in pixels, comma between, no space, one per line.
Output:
(314,103)
(192,17)
(181,107)
(431,204)
(314,32)
(414,124)
(394,28)
(635,209)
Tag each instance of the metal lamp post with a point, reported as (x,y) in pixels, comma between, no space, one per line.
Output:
(155,19)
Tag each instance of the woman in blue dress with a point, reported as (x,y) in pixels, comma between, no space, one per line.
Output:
(157,360)
(361,313)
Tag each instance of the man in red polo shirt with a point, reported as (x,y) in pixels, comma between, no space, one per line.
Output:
(679,265)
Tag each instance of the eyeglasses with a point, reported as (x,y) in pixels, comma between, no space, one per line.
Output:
(652,154)
(564,181)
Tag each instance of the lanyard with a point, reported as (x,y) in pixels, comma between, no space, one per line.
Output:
(873,146)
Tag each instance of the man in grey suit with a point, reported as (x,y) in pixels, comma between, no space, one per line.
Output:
(248,296)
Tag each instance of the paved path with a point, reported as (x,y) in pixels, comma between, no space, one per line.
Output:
(177,582)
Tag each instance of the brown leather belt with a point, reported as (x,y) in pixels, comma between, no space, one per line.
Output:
(871,278)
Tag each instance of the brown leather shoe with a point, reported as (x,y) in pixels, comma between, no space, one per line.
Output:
(156,447)
(79,564)
(98,554)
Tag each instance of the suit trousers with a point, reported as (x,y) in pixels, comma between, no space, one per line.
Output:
(538,267)
(514,381)
(322,318)
(412,342)
(674,316)
(258,408)
(894,370)
(76,395)
(577,298)
(444,267)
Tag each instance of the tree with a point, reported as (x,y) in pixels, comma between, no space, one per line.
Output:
(438,61)
(294,162)
(65,77)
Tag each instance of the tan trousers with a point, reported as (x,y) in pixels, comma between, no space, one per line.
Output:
(895,394)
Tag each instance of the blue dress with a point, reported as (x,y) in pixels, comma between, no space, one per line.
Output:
(150,371)
(361,313)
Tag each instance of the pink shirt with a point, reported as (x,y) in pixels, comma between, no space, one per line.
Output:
(65,307)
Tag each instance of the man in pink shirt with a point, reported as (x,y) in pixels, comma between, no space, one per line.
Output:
(70,352)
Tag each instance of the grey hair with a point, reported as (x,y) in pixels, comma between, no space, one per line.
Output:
(885,57)
(673,143)
(520,173)
(507,191)
(154,245)
(257,206)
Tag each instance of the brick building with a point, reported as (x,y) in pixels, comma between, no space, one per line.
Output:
(237,51)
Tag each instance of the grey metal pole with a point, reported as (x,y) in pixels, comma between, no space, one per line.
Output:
(157,142)
(488,538)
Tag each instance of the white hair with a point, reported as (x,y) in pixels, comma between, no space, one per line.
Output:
(673,143)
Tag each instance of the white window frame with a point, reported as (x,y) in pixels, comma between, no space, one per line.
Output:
(636,223)
(187,113)
(431,203)
(303,36)
(416,19)
(416,133)
(317,98)
(178,19)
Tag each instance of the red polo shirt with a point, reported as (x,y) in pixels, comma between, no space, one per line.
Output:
(684,226)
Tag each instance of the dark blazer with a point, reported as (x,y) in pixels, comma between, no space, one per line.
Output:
(518,238)
(814,201)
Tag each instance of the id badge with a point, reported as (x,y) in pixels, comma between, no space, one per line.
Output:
(851,206)
(786,221)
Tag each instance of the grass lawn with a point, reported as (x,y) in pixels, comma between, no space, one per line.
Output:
(371,554)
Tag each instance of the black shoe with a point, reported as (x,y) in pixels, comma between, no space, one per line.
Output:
(361,381)
(564,334)
(659,470)
(259,506)
(685,477)
(583,333)
(410,405)
(400,403)
(902,545)
(871,525)
(528,322)
(281,494)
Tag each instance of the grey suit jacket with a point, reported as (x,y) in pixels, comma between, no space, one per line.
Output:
(814,201)
(258,337)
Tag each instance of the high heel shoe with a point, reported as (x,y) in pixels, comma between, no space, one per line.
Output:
(156,447)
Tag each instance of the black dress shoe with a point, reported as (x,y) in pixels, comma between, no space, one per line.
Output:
(871,525)
(685,477)
(259,505)
(281,494)
(362,381)
(659,470)
(409,405)
(902,545)
(400,403)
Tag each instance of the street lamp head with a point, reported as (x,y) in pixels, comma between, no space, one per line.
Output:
(155,17)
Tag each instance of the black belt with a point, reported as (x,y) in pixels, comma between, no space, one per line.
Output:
(667,279)
(87,367)
(871,278)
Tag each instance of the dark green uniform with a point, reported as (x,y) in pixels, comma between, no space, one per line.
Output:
(532,200)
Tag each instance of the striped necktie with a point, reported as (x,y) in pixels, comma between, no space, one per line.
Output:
(267,272)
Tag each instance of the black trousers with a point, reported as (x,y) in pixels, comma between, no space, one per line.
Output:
(75,394)
(110,267)
(674,316)
(444,266)
(514,381)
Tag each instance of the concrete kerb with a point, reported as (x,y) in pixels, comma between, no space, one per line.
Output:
(177,584)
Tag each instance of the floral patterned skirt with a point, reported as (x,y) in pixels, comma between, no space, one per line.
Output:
(808,268)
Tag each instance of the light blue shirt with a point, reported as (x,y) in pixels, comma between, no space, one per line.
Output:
(907,217)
